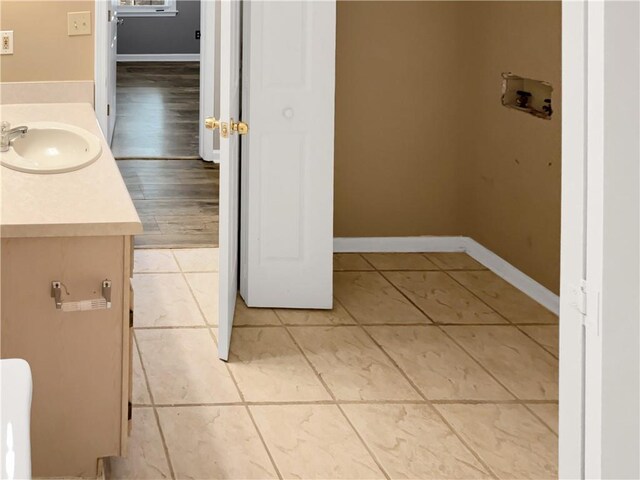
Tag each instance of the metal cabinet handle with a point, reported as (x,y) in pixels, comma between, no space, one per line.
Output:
(93,304)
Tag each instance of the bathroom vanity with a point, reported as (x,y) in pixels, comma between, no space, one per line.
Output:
(66,298)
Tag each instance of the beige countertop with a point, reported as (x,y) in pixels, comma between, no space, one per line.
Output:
(92,201)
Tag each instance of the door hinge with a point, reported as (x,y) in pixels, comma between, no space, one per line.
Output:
(129,411)
(579,297)
(108,15)
(108,109)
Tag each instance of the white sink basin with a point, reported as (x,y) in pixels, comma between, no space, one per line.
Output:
(50,147)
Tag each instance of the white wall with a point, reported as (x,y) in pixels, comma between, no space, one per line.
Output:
(621,262)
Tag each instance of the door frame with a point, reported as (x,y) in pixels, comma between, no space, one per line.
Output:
(573,240)
(208,69)
(573,245)
(101,67)
(611,388)
(599,378)
(594,255)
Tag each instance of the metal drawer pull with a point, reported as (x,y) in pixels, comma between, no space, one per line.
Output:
(83,305)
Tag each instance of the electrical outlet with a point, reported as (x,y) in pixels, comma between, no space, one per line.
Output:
(197,34)
(6,47)
(78,23)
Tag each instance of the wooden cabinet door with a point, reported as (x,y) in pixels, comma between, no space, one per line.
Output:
(76,357)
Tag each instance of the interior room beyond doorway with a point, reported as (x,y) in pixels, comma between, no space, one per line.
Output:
(156,145)
(157,110)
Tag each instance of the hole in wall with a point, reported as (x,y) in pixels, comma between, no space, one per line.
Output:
(527,95)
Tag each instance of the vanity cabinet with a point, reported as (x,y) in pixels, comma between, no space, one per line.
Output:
(80,360)
(76,229)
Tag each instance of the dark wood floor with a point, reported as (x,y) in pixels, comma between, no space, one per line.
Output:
(157,110)
(177,201)
(157,117)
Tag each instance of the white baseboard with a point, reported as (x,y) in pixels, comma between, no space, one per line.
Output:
(493,262)
(399,244)
(159,57)
(515,277)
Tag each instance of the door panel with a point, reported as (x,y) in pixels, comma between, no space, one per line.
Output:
(230,43)
(287,159)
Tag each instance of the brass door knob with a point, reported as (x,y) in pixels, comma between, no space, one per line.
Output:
(211,123)
(240,127)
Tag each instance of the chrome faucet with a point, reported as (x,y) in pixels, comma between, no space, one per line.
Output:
(7,134)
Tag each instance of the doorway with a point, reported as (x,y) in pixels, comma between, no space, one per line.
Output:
(156,137)
(376,268)
(157,109)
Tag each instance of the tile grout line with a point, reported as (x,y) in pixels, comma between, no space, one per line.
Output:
(336,402)
(248,410)
(458,434)
(440,326)
(340,325)
(173,327)
(424,397)
(264,442)
(373,269)
(156,273)
(155,411)
(448,272)
(519,401)
(170,272)
(193,295)
(536,341)
(144,373)
(311,366)
(350,402)
(364,443)
(530,410)
(509,321)
(482,268)
(367,261)
(332,395)
(454,340)
(183,276)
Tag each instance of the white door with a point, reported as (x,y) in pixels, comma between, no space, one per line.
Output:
(230,44)
(287,158)
(112,72)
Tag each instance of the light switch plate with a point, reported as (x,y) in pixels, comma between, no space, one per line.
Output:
(6,45)
(78,23)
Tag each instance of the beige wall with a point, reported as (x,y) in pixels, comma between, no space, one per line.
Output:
(423,145)
(512,160)
(42,49)
(396,135)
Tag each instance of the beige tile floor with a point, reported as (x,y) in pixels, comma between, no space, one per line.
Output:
(429,366)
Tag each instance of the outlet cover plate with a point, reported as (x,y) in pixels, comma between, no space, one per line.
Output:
(78,23)
(6,45)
